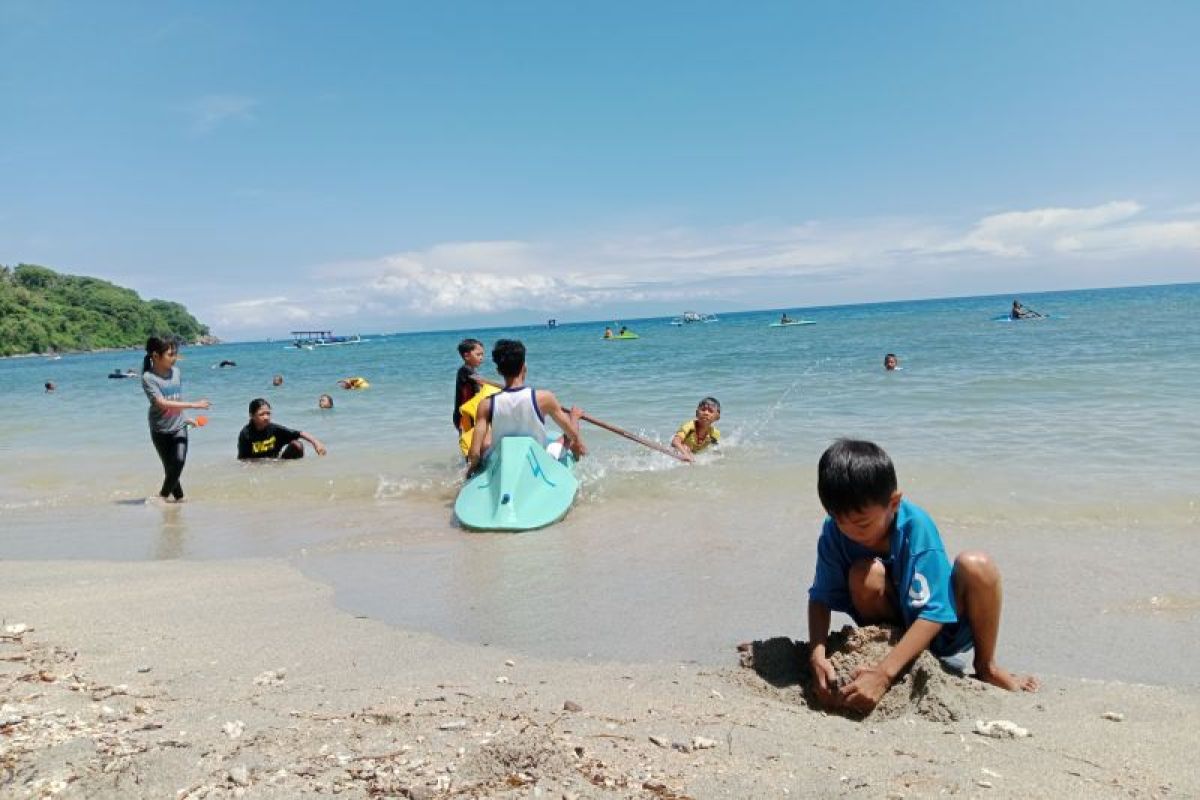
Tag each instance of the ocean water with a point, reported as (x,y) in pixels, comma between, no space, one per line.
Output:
(1066,447)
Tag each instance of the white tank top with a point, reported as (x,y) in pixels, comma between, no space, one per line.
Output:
(515,412)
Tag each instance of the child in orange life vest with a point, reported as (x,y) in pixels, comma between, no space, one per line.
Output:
(698,434)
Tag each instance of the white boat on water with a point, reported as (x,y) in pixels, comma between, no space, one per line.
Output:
(308,340)
(688,317)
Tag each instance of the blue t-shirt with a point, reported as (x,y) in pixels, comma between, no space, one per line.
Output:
(916,564)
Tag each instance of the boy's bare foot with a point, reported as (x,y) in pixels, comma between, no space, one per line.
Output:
(998,676)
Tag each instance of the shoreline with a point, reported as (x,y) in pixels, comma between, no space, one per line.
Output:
(215,679)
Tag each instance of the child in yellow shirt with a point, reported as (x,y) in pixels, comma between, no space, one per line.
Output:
(697,434)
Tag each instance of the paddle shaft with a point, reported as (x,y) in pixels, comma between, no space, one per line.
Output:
(633,437)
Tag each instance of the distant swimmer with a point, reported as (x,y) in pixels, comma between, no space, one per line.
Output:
(890,362)
(1021,312)
(357,382)
(50,387)
(262,438)
(324,401)
(121,374)
(699,434)
(277,380)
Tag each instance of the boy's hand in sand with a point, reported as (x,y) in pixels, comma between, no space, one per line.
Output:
(824,680)
(868,687)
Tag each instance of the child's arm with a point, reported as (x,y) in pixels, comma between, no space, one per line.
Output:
(871,683)
(314,441)
(824,678)
(681,448)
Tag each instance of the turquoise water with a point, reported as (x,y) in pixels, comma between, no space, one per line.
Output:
(1065,446)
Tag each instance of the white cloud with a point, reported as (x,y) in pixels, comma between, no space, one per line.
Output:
(211,111)
(747,264)
(265,313)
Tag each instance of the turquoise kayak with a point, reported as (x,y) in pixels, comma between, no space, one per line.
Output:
(521,487)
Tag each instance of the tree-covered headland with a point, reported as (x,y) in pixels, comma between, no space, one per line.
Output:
(43,311)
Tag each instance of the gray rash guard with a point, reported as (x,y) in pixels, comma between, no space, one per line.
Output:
(156,386)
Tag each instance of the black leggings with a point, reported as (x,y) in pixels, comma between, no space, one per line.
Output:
(172,449)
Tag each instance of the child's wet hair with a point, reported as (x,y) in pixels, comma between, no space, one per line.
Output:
(854,474)
(156,346)
(467,345)
(258,403)
(509,357)
(709,401)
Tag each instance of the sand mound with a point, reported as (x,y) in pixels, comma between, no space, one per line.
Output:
(927,689)
(515,761)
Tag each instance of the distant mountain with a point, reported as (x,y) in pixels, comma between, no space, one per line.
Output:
(43,311)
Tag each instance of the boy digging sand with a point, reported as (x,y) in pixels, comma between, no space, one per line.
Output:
(880,560)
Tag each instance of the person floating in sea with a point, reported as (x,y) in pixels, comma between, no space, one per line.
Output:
(277,380)
(50,386)
(520,410)
(891,363)
(261,438)
(881,560)
(324,401)
(357,382)
(697,435)
(163,386)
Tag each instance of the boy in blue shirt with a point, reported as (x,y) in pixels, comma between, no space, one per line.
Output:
(880,560)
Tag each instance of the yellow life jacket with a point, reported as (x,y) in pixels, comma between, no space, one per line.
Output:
(468,410)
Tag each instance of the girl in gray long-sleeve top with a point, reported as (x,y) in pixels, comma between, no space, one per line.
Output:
(168,426)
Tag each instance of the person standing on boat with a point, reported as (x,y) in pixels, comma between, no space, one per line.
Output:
(519,409)
(168,427)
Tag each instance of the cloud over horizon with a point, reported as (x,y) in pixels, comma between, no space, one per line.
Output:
(683,265)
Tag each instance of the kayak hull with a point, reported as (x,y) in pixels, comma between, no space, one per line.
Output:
(791,324)
(521,488)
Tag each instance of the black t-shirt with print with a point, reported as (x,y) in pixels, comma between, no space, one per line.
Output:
(266,443)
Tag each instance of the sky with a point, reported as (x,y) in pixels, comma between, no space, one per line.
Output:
(390,166)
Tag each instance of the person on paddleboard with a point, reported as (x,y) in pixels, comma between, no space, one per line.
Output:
(1021,312)
(697,435)
(519,409)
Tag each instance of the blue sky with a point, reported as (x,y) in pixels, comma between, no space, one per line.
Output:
(383,166)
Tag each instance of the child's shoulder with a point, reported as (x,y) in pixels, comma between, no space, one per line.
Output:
(916,522)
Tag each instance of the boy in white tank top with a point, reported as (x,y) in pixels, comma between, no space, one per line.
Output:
(519,410)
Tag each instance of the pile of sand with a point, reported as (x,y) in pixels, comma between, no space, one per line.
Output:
(927,688)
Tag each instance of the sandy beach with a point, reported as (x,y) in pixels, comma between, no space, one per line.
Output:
(221,679)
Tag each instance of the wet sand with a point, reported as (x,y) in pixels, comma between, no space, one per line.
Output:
(242,678)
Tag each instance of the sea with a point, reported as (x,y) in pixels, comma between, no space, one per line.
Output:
(1066,447)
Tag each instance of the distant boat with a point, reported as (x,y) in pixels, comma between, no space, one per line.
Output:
(688,317)
(307,340)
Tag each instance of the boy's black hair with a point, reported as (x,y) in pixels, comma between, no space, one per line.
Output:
(509,357)
(258,403)
(710,401)
(467,345)
(853,474)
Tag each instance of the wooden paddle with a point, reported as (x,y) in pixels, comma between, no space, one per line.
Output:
(634,437)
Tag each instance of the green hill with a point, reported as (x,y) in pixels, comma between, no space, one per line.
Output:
(42,311)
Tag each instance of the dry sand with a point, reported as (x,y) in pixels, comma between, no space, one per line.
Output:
(240,679)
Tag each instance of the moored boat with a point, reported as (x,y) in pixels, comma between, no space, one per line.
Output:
(307,340)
